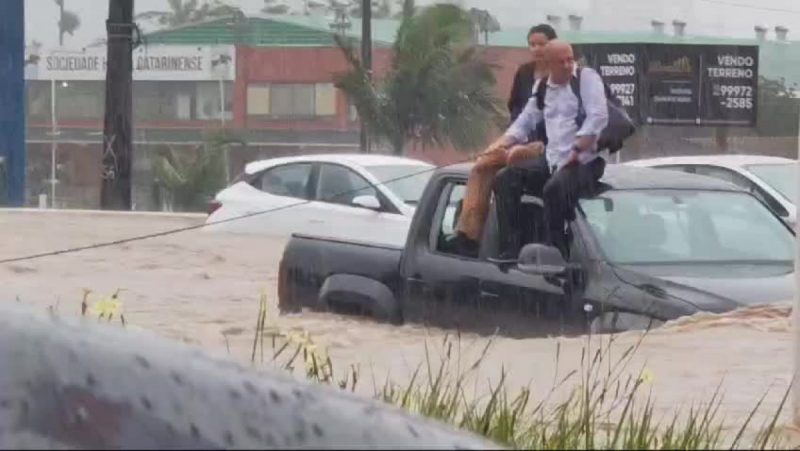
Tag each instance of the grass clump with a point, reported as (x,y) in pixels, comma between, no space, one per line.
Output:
(606,407)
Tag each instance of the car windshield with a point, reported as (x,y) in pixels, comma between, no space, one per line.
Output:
(681,226)
(406,181)
(781,177)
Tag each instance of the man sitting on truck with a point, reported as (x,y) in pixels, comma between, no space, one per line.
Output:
(479,185)
(570,165)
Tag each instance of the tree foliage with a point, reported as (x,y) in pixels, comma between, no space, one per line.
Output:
(777,108)
(182,12)
(438,90)
(192,177)
(68,22)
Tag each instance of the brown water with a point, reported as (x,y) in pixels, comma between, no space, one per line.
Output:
(203,288)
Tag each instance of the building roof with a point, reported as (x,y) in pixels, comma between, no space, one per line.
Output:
(515,37)
(268,31)
(777,59)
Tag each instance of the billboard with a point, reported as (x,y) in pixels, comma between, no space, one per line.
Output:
(680,84)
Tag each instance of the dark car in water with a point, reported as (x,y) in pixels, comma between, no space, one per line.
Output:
(650,247)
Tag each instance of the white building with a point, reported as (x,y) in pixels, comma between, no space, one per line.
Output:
(179,83)
(728,18)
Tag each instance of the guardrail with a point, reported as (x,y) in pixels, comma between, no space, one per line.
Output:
(68,382)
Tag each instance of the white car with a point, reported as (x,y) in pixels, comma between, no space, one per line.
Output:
(359,196)
(771,179)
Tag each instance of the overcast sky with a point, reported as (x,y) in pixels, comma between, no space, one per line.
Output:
(716,17)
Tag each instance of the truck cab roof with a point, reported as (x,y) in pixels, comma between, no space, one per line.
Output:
(623,177)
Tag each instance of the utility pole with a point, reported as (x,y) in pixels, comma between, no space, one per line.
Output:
(366,60)
(117,125)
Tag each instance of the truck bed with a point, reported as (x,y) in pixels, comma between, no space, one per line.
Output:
(311,261)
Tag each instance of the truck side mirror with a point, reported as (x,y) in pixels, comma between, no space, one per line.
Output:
(542,260)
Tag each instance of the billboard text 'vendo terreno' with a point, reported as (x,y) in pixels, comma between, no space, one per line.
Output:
(680,84)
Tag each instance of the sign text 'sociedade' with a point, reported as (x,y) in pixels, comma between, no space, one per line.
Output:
(75,63)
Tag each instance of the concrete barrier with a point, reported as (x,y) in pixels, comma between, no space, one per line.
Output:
(71,383)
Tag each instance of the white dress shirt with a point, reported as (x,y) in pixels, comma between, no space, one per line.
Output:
(560,111)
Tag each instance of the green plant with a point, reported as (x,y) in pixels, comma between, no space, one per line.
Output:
(191,177)
(106,308)
(438,89)
(607,408)
(777,108)
(190,11)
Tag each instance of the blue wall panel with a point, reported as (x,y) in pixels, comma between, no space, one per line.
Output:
(12,98)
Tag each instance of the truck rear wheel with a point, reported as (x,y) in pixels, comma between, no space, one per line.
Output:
(355,294)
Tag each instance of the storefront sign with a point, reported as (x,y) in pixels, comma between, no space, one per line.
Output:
(154,63)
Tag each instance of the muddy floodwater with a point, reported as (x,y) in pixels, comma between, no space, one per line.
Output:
(203,289)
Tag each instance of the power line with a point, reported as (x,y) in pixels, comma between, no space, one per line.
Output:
(205,224)
(743,5)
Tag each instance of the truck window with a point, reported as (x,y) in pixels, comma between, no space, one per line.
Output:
(447,220)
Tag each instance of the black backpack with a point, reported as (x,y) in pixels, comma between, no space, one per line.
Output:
(620,126)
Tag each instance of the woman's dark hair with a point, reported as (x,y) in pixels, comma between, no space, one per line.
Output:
(544,29)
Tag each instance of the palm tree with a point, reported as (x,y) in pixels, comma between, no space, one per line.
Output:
(189,11)
(68,22)
(484,23)
(190,178)
(438,91)
(275,7)
(407,9)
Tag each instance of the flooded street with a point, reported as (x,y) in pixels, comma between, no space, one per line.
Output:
(203,288)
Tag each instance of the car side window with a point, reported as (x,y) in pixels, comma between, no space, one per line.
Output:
(290,180)
(446,218)
(744,183)
(340,185)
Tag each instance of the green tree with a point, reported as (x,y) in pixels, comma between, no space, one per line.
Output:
(190,178)
(777,108)
(407,10)
(189,11)
(275,7)
(437,91)
(484,23)
(68,22)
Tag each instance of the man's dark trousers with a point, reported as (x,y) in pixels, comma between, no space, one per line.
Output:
(559,191)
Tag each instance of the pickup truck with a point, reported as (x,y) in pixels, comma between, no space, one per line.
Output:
(650,247)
